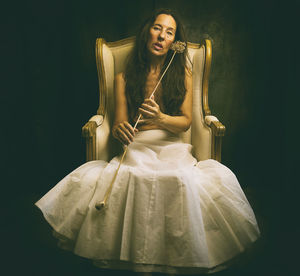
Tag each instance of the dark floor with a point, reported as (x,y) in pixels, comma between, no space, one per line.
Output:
(30,249)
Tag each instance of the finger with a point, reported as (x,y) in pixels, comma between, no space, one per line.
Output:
(129,127)
(142,121)
(146,113)
(119,135)
(124,139)
(120,139)
(126,132)
(149,108)
(150,102)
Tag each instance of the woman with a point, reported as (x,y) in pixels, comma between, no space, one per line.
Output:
(157,34)
(166,211)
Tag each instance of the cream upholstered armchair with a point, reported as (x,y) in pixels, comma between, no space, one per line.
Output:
(206,131)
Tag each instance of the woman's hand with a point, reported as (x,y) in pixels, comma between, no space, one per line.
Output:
(124,132)
(151,113)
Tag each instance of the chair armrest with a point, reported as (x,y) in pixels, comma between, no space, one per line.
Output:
(216,126)
(218,130)
(89,129)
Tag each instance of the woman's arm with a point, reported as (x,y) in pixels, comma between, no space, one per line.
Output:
(122,130)
(152,114)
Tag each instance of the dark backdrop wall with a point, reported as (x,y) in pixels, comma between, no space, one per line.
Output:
(50,91)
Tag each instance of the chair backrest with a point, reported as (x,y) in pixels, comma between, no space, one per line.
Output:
(111,59)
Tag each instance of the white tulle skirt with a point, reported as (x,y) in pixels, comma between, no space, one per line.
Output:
(166,212)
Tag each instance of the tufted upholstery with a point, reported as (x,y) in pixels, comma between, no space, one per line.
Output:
(205,132)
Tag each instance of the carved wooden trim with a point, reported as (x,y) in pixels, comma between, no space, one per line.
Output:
(91,148)
(218,131)
(101,76)
(206,74)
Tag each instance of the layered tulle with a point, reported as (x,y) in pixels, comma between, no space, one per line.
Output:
(166,212)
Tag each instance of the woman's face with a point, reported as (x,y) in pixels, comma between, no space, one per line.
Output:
(162,35)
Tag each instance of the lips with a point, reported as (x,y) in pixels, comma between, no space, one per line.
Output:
(158,46)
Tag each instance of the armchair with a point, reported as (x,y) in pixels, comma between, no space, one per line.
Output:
(205,133)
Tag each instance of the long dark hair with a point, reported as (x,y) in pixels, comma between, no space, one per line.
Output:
(138,67)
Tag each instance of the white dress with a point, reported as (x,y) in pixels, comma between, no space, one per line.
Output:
(166,212)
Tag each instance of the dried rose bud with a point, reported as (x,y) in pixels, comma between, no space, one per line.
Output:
(178,46)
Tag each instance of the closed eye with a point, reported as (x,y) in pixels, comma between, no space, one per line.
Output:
(156,28)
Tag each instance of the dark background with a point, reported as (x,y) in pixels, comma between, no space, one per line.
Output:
(50,89)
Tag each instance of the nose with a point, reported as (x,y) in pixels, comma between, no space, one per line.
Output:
(161,35)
